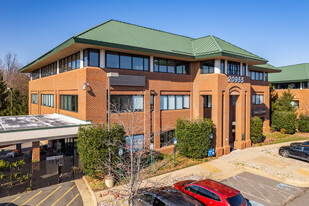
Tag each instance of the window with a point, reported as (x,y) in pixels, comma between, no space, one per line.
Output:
(236,200)
(223,66)
(266,76)
(151,102)
(234,99)
(244,69)
(47,100)
(118,60)
(256,75)
(193,188)
(207,101)
(36,74)
(69,63)
(69,103)
(34,98)
(233,68)
(295,103)
(166,138)
(127,103)
(294,85)
(208,194)
(170,66)
(207,67)
(258,99)
(49,70)
(91,57)
(171,102)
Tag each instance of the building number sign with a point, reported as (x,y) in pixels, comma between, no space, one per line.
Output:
(235,79)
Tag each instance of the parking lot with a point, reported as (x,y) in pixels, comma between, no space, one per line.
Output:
(261,191)
(57,195)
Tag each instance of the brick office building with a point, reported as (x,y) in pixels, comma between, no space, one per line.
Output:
(295,77)
(165,76)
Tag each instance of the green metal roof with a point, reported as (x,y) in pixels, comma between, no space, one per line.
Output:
(292,73)
(265,67)
(117,34)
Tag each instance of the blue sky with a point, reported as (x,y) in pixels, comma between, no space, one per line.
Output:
(276,30)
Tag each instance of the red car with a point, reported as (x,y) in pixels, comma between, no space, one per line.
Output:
(211,192)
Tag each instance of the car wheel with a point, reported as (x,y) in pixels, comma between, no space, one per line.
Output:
(285,154)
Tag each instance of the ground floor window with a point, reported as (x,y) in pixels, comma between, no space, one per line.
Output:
(48,100)
(69,103)
(127,103)
(166,138)
(34,98)
(207,101)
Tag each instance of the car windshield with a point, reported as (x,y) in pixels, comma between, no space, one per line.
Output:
(236,200)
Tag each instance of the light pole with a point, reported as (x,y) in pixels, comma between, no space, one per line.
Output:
(11,100)
(109,75)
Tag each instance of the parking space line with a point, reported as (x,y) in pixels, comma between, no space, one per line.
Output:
(32,197)
(12,201)
(48,196)
(73,199)
(63,195)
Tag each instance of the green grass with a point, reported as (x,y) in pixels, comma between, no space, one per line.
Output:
(275,138)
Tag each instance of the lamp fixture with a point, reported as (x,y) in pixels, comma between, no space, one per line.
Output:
(85,85)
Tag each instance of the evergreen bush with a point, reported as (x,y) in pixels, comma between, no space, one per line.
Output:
(284,120)
(256,129)
(194,138)
(303,123)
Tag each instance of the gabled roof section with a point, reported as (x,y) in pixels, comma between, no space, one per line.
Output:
(291,73)
(117,34)
(265,67)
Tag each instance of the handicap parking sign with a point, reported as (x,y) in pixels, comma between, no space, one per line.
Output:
(211,152)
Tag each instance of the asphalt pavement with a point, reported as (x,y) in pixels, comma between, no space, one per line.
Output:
(64,194)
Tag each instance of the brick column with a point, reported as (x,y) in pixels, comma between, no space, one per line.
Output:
(248,116)
(35,151)
(147,119)
(240,124)
(226,122)
(156,120)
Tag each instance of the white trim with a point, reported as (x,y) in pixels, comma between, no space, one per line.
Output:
(217,66)
(40,73)
(301,85)
(102,58)
(151,63)
(31,76)
(241,69)
(247,70)
(81,55)
(225,65)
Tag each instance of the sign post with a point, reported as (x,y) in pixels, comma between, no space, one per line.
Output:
(175,143)
(120,152)
(151,148)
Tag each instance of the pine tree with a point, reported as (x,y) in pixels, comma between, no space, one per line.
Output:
(284,103)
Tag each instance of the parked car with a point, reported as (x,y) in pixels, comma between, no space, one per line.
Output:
(296,150)
(166,196)
(211,192)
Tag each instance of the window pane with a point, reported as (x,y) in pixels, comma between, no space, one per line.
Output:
(244,69)
(209,102)
(179,102)
(266,77)
(77,60)
(85,57)
(253,99)
(170,66)
(223,66)
(156,64)
(112,60)
(261,99)
(186,102)
(94,57)
(125,62)
(179,69)
(138,63)
(138,103)
(74,61)
(162,65)
(69,63)
(171,102)
(146,64)
(163,102)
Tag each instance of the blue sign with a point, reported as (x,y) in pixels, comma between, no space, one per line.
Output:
(175,141)
(138,143)
(211,152)
(211,135)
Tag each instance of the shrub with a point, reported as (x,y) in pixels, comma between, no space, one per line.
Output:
(92,146)
(194,137)
(284,120)
(256,129)
(303,123)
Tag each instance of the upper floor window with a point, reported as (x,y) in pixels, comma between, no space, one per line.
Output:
(170,66)
(35,74)
(266,76)
(48,100)
(127,103)
(151,102)
(258,99)
(207,67)
(233,68)
(294,85)
(91,57)
(256,75)
(69,103)
(49,70)
(222,66)
(34,98)
(69,63)
(127,61)
(172,102)
(244,69)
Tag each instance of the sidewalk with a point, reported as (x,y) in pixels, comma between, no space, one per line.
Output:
(263,161)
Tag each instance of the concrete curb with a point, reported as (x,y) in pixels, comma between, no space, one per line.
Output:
(95,202)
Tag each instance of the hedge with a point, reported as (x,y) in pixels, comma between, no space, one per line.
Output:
(256,129)
(193,138)
(284,120)
(92,147)
(303,123)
